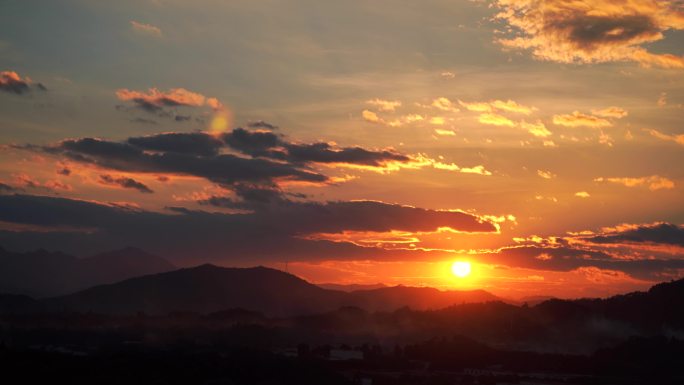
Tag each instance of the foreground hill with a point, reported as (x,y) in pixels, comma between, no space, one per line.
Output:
(42,273)
(208,288)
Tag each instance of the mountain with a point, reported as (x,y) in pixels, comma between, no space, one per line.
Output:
(420,298)
(205,289)
(42,273)
(208,288)
(350,287)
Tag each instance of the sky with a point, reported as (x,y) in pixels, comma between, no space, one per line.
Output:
(352,142)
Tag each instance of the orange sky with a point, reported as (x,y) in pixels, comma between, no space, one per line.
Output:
(540,140)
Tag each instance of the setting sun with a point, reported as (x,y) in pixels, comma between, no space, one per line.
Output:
(460,269)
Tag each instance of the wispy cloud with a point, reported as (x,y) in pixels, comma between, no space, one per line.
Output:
(147,29)
(578,119)
(653,182)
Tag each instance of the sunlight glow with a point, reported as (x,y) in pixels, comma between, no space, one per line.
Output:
(461,269)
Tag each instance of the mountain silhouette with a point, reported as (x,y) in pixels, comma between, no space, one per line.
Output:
(350,287)
(208,288)
(43,273)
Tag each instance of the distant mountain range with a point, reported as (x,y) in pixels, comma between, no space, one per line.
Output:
(208,288)
(42,273)
(268,293)
(350,287)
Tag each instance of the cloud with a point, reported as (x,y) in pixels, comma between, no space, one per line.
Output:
(546,174)
(537,129)
(125,182)
(662,99)
(26,181)
(480,170)
(444,104)
(655,233)
(195,143)
(498,105)
(476,106)
(611,112)
(11,82)
(437,120)
(512,106)
(566,259)
(260,124)
(147,29)
(495,120)
(274,232)
(237,156)
(582,194)
(578,119)
(371,117)
(384,105)
(592,31)
(155,101)
(654,182)
(679,139)
(442,132)
(224,169)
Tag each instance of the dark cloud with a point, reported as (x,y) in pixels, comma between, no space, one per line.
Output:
(662,233)
(66,171)
(277,230)
(254,143)
(565,258)
(325,153)
(182,118)
(125,183)
(270,157)
(274,234)
(11,82)
(588,31)
(196,143)
(263,125)
(225,169)
(269,145)
(597,31)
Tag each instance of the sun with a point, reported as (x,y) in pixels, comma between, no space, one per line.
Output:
(460,269)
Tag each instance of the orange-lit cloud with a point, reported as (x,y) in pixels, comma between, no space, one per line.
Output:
(495,120)
(124,182)
(578,119)
(582,194)
(147,29)
(384,105)
(476,106)
(371,117)
(653,182)
(679,139)
(498,105)
(11,82)
(157,99)
(592,31)
(437,121)
(546,174)
(537,128)
(25,181)
(512,106)
(442,132)
(611,112)
(444,104)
